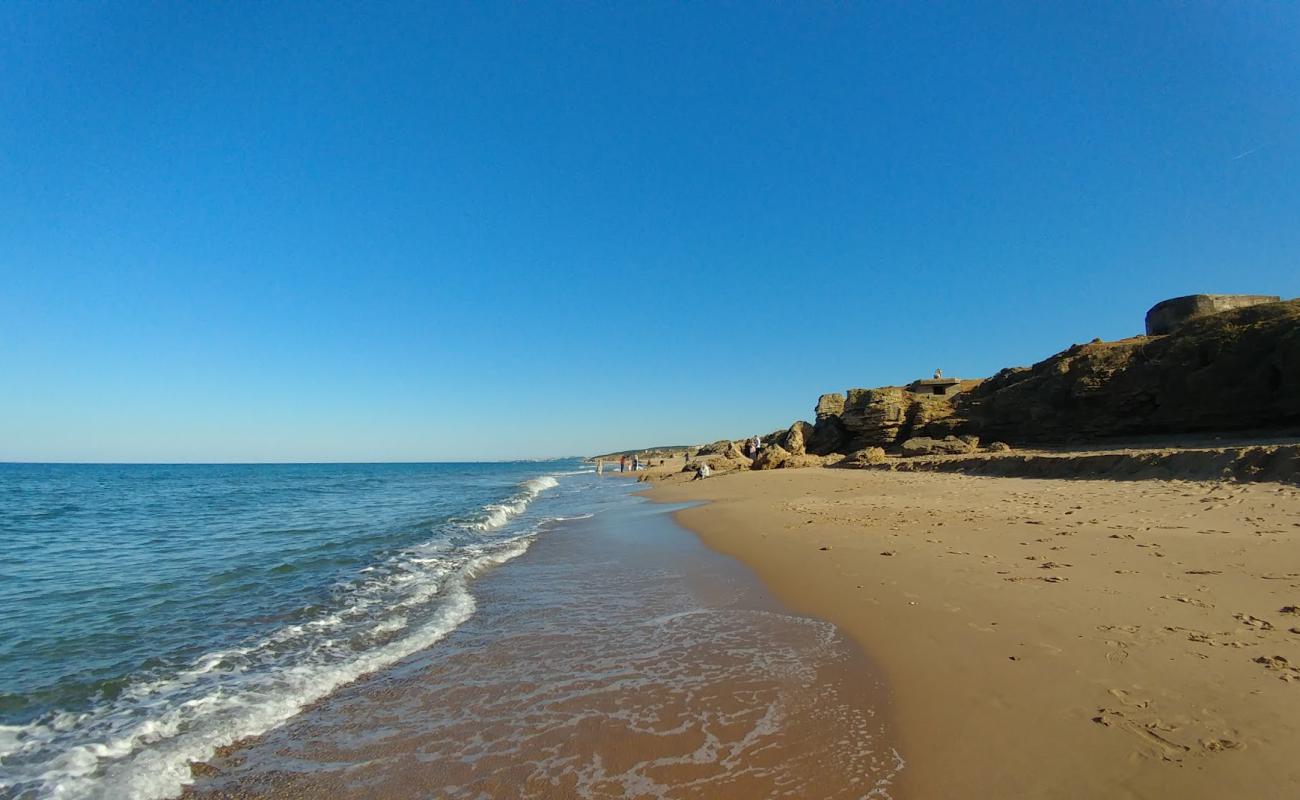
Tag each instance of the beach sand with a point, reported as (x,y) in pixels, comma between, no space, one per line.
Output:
(1045,638)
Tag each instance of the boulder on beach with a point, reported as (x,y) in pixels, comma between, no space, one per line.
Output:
(998,447)
(796,438)
(864,457)
(947,446)
(720,465)
(803,460)
(771,457)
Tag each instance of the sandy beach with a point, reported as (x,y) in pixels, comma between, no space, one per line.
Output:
(1045,638)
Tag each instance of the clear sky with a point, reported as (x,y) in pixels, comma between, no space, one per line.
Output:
(372,231)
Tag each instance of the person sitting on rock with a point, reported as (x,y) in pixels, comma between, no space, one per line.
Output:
(702,472)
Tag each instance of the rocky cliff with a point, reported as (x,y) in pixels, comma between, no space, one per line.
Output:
(1236,370)
(1229,371)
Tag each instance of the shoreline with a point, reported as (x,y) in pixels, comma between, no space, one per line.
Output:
(617,657)
(1044,638)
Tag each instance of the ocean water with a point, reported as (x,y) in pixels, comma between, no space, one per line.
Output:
(150,615)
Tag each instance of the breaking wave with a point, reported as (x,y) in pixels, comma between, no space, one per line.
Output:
(139,742)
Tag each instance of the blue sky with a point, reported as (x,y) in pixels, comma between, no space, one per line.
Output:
(249,232)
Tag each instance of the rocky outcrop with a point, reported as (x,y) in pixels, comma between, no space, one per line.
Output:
(723,447)
(1234,370)
(771,457)
(1169,315)
(828,433)
(1218,370)
(720,465)
(873,417)
(947,446)
(1278,463)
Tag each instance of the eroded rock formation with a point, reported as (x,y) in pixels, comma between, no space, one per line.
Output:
(1235,370)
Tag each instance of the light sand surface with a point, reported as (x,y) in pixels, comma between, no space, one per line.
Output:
(1046,638)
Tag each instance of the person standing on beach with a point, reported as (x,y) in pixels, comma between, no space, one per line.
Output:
(600,466)
(755,445)
(636,463)
(622,463)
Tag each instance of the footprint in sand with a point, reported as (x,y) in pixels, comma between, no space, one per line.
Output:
(1191,601)
(1281,666)
(1253,622)
(1150,733)
(1128,699)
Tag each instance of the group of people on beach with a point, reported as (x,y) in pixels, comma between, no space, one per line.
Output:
(623,463)
(702,469)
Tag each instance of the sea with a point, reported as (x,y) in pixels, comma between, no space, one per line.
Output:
(154,616)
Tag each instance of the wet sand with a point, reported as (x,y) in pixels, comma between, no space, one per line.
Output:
(617,658)
(1046,638)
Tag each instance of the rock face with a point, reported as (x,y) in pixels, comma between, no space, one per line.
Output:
(876,418)
(947,446)
(828,432)
(771,457)
(873,417)
(1234,370)
(1169,315)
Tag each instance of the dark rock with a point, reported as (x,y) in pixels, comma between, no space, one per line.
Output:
(828,434)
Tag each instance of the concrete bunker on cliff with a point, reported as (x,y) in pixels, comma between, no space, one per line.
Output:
(1169,315)
(937,386)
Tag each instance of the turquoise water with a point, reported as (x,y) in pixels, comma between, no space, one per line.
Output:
(154,613)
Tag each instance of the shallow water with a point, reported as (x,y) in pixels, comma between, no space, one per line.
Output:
(483,630)
(618,658)
(155,613)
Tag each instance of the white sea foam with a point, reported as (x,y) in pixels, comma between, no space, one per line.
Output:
(140,744)
(496,516)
